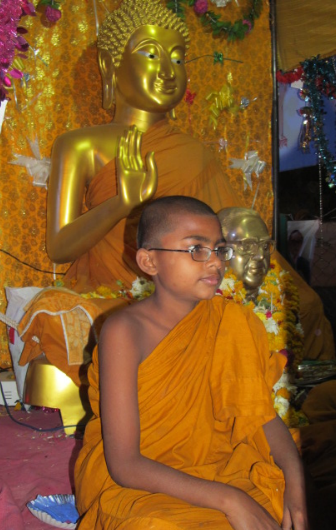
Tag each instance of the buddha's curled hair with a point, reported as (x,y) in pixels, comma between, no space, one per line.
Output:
(132,14)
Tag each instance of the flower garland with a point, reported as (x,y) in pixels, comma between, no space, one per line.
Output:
(226,29)
(277,306)
(12,44)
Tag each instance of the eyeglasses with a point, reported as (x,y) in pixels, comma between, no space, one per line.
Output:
(249,246)
(199,253)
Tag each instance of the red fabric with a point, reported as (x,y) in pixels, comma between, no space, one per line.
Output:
(32,463)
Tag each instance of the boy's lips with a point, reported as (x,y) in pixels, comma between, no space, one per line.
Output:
(213,279)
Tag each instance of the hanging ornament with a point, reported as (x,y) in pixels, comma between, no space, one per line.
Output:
(249,164)
(220,101)
(221,3)
(37,167)
(305,136)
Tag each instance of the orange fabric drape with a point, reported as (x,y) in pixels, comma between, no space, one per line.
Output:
(204,394)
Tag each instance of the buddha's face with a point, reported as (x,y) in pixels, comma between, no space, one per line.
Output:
(152,75)
(252,246)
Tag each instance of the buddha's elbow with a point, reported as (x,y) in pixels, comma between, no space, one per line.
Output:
(57,254)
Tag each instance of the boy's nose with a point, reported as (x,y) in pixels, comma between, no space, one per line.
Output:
(215,261)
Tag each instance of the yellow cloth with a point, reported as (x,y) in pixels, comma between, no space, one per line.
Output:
(305,29)
(204,394)
(63,320)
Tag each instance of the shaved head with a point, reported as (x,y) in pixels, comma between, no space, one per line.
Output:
(161,216)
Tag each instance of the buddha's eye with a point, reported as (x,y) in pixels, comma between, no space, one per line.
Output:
(177,60)
(149,55)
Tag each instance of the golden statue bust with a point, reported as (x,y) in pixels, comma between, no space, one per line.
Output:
(247,234)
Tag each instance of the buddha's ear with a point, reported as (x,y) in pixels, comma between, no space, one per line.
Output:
(145,261)
(107,70)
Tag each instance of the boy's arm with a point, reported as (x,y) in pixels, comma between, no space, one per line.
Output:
(286,456)
(119,359)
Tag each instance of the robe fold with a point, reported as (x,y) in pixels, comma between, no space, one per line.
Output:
(204,394)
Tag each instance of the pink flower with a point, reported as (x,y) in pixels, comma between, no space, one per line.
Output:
(52,14)
(248,24)
(201,7)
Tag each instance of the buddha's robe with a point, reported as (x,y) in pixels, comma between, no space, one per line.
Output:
(204,394)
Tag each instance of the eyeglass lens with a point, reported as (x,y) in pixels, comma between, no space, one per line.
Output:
(204,253)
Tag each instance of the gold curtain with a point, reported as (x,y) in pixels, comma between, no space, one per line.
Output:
(305,29)
(63,92)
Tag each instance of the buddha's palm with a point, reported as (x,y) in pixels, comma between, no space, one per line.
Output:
(137,182)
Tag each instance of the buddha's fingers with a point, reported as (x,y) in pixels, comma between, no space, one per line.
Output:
(150,182)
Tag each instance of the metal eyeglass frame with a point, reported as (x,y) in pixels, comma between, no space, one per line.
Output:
(195,249)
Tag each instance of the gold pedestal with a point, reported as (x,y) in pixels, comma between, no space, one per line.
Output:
(47,386)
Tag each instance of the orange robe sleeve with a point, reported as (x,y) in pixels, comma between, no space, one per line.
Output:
(204,394)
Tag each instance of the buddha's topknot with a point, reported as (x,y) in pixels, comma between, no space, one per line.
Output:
(132,14)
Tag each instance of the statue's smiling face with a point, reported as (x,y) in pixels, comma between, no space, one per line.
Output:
(152,75)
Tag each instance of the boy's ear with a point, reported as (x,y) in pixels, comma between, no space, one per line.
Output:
(145,261)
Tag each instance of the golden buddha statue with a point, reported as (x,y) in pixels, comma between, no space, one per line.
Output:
(141,51)
(143,74)
(247,234)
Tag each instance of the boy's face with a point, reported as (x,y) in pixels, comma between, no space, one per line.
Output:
(177,272)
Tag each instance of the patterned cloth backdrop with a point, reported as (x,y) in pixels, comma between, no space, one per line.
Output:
(62,91)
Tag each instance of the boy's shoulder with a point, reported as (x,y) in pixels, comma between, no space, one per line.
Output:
(125,318)
(128,322)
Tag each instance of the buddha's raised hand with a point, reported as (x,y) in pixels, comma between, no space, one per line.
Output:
(137,182)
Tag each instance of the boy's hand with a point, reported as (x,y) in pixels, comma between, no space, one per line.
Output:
(244,513)
(294,514)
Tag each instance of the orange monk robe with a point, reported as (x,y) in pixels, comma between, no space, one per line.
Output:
(204,394)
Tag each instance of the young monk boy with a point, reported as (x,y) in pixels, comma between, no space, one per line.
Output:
(185,435)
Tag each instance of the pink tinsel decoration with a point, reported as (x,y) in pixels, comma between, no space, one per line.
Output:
(201,7)
(10,40)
